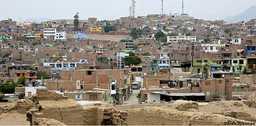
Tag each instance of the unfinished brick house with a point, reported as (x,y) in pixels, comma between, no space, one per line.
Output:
(82,81)
(167,87)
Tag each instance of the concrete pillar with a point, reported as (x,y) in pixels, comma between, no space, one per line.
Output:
(228,87)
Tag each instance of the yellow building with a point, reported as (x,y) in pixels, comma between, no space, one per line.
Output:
(96,29)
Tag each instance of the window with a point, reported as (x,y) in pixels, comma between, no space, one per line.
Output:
(134,69)
(235,61)
(59,65)
(198,70)
(52,65)
(65,65)
(31,74)
(18,74)
(199,61)
(79,96)
(72,65)
(113,87)
(211,47)
(89,72)
(241,61)
(81,86)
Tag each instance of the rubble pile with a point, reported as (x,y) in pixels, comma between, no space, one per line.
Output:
(7,108)
(239,115)
(234,109)
(169,116)
(250,103)
(65,111)
(112,116)
(23,105)
(186,105)
(47,122)
(251,100)
(48,95)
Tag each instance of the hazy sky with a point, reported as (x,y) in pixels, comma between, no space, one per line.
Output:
(111,9)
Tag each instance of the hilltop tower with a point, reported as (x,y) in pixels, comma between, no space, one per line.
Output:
(76,22)
(132,9)
(162,9)
(182,8)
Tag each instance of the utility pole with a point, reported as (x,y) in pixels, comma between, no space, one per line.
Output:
(193,53)
(97,84)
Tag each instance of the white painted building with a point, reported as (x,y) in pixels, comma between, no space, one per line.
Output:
(164,61)
(175,39)
(60,36)
(212,48)
(51,33)
(236,41)
(64,65)
(32,91)
(113,87)
(120,56)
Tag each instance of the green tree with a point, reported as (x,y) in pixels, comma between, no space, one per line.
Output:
(161,37)
(146,31)
(108,27)
(136,33)
(8,87)
(104,60)
(42,75)
(132,59)
(22,81)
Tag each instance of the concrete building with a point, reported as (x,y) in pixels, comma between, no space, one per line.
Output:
(52,34)
(120,59)
(64,65)
(163,62)
(180,38)
(212,48)
(60,36)
(96,29)
(236,41)
(49,33)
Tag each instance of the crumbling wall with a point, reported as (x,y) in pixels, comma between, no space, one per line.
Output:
(163,116)
(90,116)
(23,105)
(44,94)
(69,115)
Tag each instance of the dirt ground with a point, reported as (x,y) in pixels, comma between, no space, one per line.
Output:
(190,113)
(13,118)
